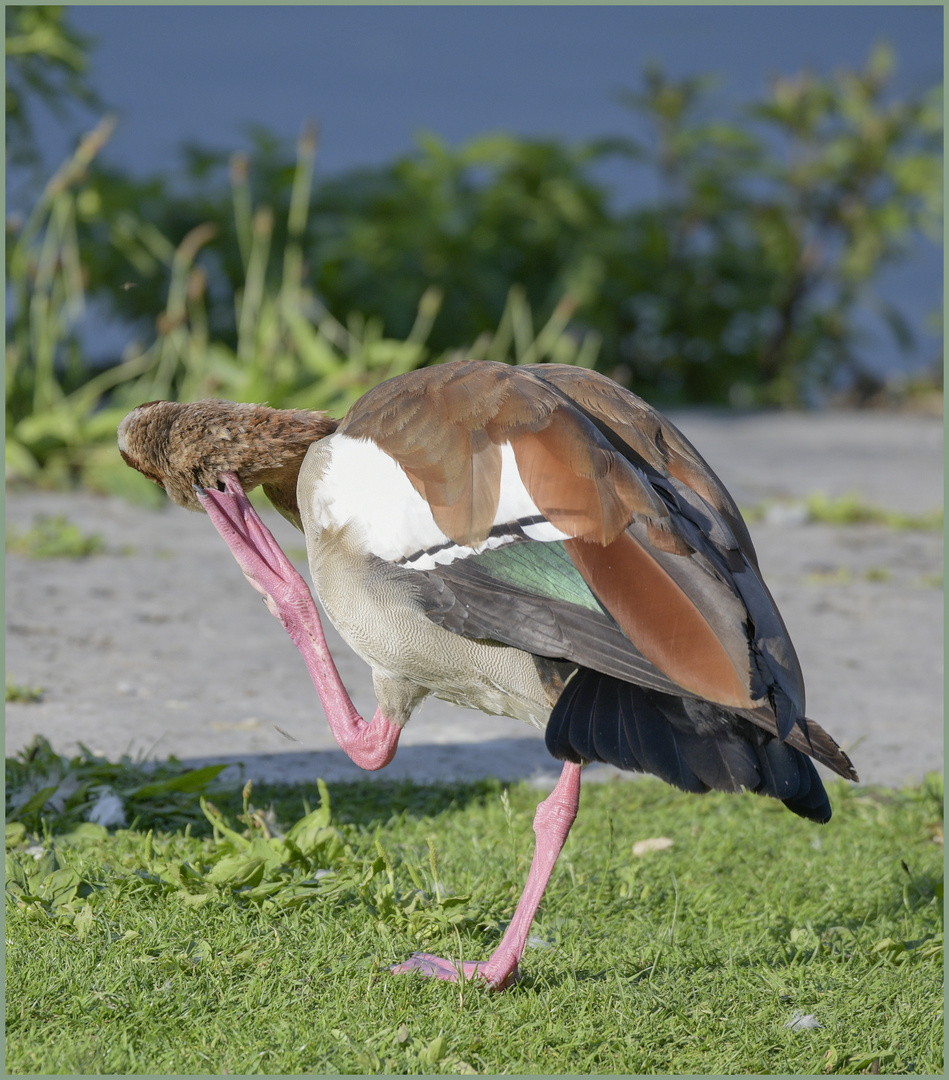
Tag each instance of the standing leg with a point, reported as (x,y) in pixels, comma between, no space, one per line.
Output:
(552,823)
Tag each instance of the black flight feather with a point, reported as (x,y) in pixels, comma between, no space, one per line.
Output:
(694,745)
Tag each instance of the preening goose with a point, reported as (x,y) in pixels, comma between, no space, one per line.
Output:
(535,542)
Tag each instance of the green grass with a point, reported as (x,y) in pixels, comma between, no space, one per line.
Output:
(54,537)
(252,933)
(852,510)
(22,693)
(849,509)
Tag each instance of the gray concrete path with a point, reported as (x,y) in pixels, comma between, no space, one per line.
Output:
(159,647)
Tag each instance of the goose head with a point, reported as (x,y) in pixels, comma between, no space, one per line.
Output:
(183,446)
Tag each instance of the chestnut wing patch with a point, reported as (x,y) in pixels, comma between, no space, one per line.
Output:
(531,596)
(662,620)
(646,437)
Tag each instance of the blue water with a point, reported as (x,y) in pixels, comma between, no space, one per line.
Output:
(374,77)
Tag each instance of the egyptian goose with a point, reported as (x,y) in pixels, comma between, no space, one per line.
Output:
(535,542)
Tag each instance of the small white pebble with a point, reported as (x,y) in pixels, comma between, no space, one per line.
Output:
(107,810)
(655,843)
(317,875)
(802,1022)
(786,514)
(69,785)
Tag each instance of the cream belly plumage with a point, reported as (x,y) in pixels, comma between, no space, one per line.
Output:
(368,534)
(535,542)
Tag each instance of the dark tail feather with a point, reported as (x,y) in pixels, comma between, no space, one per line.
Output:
(693,745)
(813,802)
(597,718)
(808,737)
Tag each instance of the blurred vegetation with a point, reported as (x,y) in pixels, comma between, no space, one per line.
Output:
(285,347)
(245,277)
(46,63)
(54,537)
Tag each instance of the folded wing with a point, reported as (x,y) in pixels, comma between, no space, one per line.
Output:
(646,573)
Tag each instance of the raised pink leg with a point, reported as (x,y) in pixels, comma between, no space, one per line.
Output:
(552,822)
(371,746)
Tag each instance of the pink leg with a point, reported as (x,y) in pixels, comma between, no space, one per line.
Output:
(552,823)
(371,746)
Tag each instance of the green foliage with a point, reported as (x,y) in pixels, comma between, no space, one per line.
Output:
(849,509)
(54,538)
(286,348)
(852,510)
(46,62)
(862,176)
(42,785)
(249,281)
(744,282)
(19,692)
(674,960)
(53,407)
(497,212)
(739,285)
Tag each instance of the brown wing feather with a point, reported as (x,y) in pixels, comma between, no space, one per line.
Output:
(579,483)
(650,435)
(431,422)
(444,426)
(661,620)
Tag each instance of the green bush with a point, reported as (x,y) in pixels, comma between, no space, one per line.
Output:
(287,348)
(739,285)
(249,281)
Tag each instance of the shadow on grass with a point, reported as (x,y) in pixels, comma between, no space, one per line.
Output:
(449,762)
(422,781)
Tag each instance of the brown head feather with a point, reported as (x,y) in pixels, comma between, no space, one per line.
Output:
(180,446)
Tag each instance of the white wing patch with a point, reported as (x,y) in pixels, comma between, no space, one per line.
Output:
(363,487)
